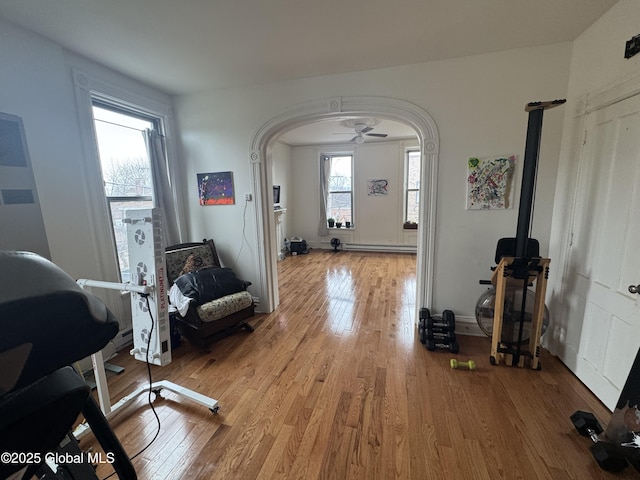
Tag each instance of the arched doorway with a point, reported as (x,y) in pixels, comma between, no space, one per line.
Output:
(314,111)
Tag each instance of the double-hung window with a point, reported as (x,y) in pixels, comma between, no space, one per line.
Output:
(412,186)
(340,191)
(126,168)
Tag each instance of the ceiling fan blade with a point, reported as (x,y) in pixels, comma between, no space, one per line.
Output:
(366,129)
(353,140)
(381,135)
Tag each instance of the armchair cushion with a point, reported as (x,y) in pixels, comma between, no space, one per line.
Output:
(209,284)
(224,306)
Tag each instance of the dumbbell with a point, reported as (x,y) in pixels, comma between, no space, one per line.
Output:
(586,424)
(446,322)
(452,345)
(605,453)
(439,328)
(471,365)
(445,336)
(423,315)
(422,332)
(443,341)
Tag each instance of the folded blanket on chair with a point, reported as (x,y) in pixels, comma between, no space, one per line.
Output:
(210,283)
(177,301)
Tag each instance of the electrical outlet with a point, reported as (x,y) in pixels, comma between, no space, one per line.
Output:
(248,197)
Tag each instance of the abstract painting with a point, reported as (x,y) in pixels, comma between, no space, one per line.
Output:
(216,188)
(377,187)
(490,182)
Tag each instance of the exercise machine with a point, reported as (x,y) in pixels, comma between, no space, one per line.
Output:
(519,262)
(48,323)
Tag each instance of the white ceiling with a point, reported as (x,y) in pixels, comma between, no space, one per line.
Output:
(186,46)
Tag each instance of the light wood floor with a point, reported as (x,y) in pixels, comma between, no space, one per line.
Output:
(336,385)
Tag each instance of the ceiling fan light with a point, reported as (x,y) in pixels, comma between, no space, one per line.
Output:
(359,140)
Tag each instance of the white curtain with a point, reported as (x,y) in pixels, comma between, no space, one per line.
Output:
(163,196)
(325,172)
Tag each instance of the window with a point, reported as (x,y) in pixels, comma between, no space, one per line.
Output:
(126,169)
(340,195)
(412,193)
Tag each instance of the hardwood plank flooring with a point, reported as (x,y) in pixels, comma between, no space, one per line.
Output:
(335,385)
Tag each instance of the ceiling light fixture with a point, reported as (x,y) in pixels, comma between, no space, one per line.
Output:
(359,139)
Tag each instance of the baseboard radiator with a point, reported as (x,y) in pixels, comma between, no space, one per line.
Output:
(359,247)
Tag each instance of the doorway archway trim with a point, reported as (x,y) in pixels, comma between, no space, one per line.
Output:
(322,109)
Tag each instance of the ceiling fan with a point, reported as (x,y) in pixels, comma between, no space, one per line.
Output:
(362,127)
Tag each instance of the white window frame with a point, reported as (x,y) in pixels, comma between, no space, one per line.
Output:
(90,83)
(407,189)
(332,156)
(156,122)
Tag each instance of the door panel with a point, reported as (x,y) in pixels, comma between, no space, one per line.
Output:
(621,343)
(593,343)
(604,260)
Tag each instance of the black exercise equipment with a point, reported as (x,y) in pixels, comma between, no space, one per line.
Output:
(620,442)
(608,455)
(48,323)
(519,261)
(438,331)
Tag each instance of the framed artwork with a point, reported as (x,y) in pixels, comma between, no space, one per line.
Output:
(490,182)
(216,188)
(377,187)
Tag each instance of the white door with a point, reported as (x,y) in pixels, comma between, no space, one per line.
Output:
(603,334)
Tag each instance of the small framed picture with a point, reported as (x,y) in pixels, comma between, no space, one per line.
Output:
(216,188)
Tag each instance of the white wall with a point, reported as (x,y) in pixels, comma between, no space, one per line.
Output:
(282,175)
(598,54)
(478,105)
(597,64)
(377,220)
(38,86)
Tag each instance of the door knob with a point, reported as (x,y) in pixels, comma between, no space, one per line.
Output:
(634,288)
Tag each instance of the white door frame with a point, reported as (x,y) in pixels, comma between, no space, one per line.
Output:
(313,111)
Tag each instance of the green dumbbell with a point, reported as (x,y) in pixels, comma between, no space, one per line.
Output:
(471,365)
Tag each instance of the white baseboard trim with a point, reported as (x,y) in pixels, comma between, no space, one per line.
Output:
(355,247)
(123,339)
(468,326)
